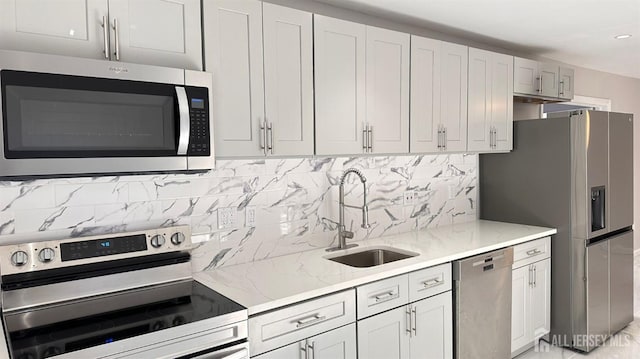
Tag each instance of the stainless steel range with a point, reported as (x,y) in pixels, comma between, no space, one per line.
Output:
(130,295)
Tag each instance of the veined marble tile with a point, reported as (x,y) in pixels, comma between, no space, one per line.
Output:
(54,218)
(91,193)
(7,223)
(26,197)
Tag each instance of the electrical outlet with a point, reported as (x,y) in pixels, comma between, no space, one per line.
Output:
(226,217)
(409,198)
(250,216)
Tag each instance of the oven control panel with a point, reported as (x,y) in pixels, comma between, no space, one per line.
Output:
(19,258)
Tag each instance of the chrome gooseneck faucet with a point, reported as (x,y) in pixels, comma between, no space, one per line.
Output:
(343,234)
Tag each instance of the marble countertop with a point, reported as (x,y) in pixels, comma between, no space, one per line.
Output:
(276,282)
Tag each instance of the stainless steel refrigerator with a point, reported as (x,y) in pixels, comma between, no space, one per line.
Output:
(574,173)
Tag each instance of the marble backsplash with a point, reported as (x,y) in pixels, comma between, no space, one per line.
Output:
(295,201)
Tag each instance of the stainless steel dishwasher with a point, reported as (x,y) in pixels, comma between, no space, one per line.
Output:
(483,305)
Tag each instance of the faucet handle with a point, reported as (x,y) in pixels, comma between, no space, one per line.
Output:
(347,234)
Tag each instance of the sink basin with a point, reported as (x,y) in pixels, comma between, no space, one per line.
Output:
(372,257)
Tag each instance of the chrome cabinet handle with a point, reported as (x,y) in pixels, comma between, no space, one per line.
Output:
(535,276)
(385,296)
(310,350)
(444,138)
(370,138)
(414,325)
(534,252)
(365,137)
(117,37)
(262,139)
(530,275)
(561,87)
(309,320)
(303,349)
(270,137)
(539,79)
(430,283)
(185,121)
(409,319)
(105,33)
(439,132)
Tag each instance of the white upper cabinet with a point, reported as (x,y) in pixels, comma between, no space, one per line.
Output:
(526,77)
(453,96)
(387,94)
(233,53)
(425,94)
(542,79)
(438,96)
(71,27)
(490,126)
(549,79)
(565,89)
(156,32)
(339,53)
(288,80)
(261,59)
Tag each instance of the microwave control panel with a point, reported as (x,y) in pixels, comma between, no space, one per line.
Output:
(199,139)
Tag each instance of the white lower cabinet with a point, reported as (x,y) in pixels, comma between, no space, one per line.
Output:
(531,295)
(417,330)
(339,343)
(384,335)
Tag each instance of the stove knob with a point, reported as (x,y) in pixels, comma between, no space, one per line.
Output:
(177,238)
(46,255)
(19,258)
(157,241)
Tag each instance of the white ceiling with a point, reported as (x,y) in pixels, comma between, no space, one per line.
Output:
(578,32)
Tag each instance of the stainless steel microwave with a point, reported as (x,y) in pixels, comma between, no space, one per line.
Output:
(65,116)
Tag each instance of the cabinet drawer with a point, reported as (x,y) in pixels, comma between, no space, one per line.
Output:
(429,281)
(529,252)
(284,326)
(382,295)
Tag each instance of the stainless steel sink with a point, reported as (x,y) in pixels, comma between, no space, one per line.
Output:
(372,257)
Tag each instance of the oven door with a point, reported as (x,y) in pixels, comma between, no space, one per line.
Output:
(55,124)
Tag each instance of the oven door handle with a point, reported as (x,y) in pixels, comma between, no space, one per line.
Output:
(240,354)
(185,125)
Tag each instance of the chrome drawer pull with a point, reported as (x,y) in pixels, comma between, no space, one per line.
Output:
(309,320)
(385,296)
(534,252)
(430,283)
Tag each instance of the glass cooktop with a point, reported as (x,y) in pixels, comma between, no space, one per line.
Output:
(164,307)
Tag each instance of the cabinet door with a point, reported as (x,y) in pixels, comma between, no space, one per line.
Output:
(157,32)
(384,336)
(565,89)
(550,80)
(502,101)
(387,94)
(291,351)
(521,333)
(480,87)
(336,344)
(233,52)
(433,328)
(340,85)
(526,80)
(425,94)
(288,79)
(541,298)
(69,27)
(453,101)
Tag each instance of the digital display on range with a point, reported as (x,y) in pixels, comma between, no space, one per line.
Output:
(102,247)
(197,103)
